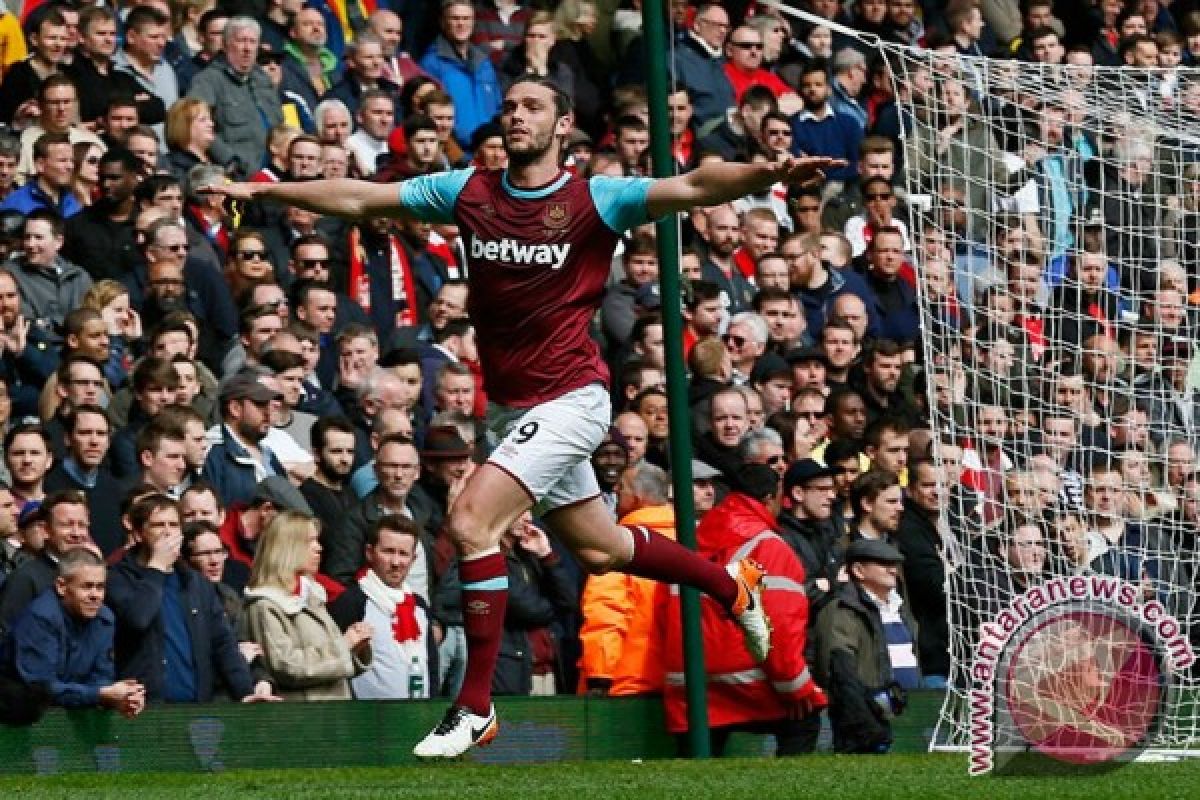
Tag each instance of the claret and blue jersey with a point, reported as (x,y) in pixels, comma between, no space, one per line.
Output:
(538,261)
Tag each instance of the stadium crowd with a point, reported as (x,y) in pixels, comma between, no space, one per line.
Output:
(232,431)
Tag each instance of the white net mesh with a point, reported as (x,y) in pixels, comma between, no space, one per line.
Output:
(1055,214)
(1063,204)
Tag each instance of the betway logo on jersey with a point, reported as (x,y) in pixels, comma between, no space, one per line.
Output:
(511,251)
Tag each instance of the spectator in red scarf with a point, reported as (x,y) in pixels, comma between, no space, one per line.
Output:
(404,637)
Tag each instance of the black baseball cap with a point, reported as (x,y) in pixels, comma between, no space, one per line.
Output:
(805,470)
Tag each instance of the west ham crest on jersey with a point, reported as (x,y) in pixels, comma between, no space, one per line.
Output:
(557,216)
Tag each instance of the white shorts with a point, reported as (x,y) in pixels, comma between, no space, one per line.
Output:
(548,448)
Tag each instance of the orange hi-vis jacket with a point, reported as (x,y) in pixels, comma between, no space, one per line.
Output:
(622,623)
(739,690)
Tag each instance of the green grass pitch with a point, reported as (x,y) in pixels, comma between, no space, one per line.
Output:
(895,777)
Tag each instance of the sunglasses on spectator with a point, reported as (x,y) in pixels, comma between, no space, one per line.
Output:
(313,263)
(736,341)
(252,255)
(773,460)
(880,196)
(748,45)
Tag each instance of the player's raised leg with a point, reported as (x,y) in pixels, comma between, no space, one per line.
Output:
(488,505)
(601,545)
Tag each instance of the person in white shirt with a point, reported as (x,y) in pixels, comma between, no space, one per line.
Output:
(376,116)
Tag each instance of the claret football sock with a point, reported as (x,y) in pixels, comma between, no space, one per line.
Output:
(484,598)
(662,559)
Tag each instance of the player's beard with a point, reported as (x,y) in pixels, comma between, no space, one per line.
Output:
(539,145)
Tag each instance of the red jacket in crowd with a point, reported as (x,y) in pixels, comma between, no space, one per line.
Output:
(740,690)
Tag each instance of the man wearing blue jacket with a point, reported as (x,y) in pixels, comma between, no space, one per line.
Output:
(59,651)
(463,69)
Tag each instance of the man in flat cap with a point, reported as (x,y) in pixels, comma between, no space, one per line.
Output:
(865,653)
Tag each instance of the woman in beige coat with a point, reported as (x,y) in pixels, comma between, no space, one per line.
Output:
(307,657)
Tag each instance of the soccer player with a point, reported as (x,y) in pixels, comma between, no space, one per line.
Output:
(539,241)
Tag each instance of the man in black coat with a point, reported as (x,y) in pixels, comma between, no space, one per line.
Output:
(172,632)
(922,544)
(100,238)
(328,491)
(83,468)
(807,528)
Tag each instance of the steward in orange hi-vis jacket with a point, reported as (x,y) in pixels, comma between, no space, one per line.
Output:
(622,623)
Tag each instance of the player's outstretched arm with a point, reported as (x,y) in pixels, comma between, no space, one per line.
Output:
(340,197)
(720,182)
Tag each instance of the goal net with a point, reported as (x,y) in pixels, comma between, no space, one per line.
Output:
(1054,213)
(1057,213)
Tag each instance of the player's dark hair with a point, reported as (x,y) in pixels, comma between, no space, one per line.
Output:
(562,100)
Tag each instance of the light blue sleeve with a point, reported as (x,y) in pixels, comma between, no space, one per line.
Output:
(432,197)
(621,202)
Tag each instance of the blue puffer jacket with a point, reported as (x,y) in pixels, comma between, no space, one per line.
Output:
(472,83)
